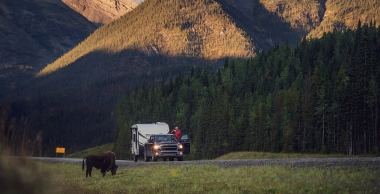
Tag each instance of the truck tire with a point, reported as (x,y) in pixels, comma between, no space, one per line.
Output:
(154,158)
(180,159)
(146,158)
(135,158)
(171,159)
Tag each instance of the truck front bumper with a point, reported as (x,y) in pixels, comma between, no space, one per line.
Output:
(168,154)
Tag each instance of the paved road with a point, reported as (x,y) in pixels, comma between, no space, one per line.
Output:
(373,162)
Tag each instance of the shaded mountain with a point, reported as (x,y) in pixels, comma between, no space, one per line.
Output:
(101,11)
(35,33)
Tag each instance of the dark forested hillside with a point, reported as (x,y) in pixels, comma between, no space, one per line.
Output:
(320,96)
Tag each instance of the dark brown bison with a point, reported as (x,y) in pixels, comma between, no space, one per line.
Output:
(104,161)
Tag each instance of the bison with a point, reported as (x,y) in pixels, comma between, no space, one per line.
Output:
(104,161)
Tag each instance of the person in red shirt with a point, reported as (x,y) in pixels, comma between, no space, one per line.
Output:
(177,133)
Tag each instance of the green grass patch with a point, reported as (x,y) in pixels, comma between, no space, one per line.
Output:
(267,155)
(214,179)
(94,150)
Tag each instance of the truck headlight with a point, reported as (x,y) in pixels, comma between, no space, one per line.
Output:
(180,146)
(156,147)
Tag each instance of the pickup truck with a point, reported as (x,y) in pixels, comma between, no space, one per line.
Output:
(164,146)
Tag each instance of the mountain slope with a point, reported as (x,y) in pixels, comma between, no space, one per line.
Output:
(274,19)
(343,15)
(303,15)
(101,11)
(169,29)
(294,19)
(35,33)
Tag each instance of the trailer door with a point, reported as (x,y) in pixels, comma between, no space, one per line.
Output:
(134,142)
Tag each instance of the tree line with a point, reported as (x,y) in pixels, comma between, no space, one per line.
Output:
(319,96)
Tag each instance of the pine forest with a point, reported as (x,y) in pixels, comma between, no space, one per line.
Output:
(319,96)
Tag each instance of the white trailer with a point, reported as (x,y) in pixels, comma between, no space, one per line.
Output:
(141,133)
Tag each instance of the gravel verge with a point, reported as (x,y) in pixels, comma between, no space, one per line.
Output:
(371,162)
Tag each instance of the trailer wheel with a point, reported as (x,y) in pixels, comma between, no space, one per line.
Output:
(146,158)
(135,158)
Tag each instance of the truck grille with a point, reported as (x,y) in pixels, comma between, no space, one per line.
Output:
(168,147)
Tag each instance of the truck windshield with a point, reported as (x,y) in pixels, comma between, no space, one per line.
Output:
(163,138)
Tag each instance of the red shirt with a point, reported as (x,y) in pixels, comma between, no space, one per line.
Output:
(177,134)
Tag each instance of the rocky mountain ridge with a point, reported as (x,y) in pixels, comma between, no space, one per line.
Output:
(101,11)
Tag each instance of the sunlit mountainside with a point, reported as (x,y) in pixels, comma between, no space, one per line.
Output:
(343,15)
(195,29)
(211,30)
